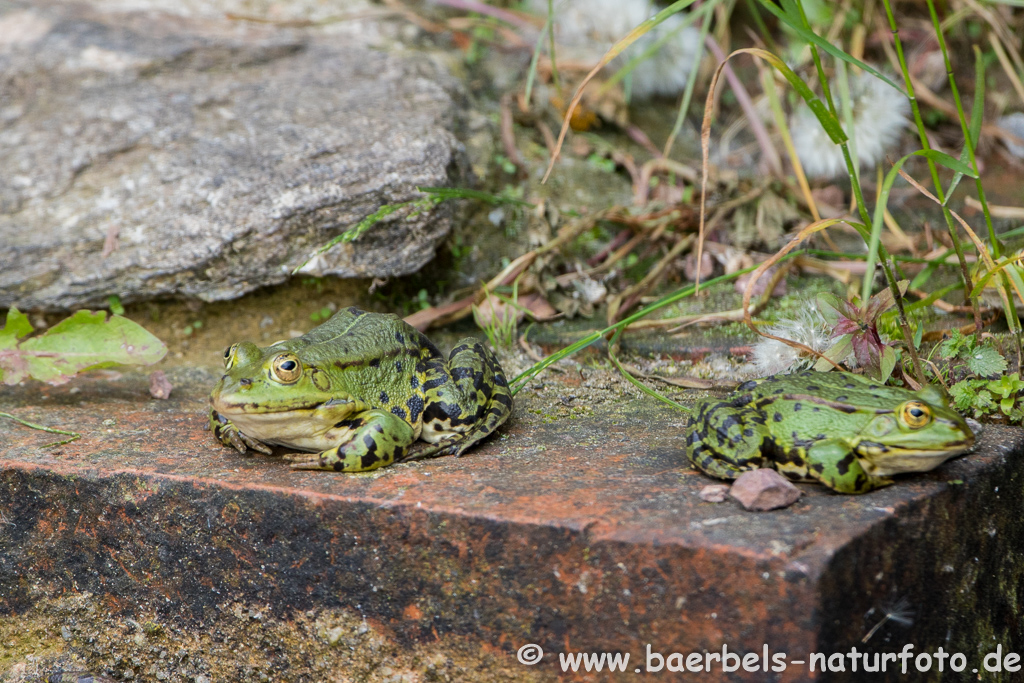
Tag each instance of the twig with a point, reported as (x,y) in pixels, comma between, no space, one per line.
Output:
(508,135)
(771,155)
(490,11)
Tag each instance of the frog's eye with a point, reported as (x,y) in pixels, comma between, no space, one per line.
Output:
(229,356)
(915,414)
(286,368)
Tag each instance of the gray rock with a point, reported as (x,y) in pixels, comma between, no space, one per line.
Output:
(215,156)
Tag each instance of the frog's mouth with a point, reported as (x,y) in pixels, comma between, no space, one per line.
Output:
(884,460)
(308,427)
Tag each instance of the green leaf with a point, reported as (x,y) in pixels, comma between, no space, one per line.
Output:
(1006,404)
(115,304)
(948,161)
(951,347)
(984,361)
(832,308)
(838,352)
(1006,386)
(83,341)
(13,368)
(963,394)
(17,327)
(983,403)
(887,363)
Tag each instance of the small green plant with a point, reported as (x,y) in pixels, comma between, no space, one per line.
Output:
(506,164)
(986,392)
(500,319)
(601,162)
(855,332)
(115,304)
(981,359)
(323,314)
(984,397)
(191,327)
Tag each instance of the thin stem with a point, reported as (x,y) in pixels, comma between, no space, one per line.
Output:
(1008,305)
(862,208)
(52,430)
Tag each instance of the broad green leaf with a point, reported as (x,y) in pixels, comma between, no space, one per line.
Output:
(887,363)
(832,307)
(984,361)
(83,341)
(837,352)
(1006,404)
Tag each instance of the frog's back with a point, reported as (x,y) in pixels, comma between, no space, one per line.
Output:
(353,338)
(841,387)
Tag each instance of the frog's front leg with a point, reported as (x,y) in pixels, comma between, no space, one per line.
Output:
(377,439)
(227,433)
(834,464)
(466,399)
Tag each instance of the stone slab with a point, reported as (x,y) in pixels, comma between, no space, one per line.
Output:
(579,529)
(215,155)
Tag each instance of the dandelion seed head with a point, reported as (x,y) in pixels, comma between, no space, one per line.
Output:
(879,115)
(585,29)
(772,357)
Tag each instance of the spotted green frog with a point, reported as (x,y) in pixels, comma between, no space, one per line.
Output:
(838,429)
(358,391)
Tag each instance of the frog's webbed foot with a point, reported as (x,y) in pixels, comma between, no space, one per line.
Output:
(379,439)
(227,433)
(450,446)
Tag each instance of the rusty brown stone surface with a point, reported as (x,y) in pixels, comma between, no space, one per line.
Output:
(579,528)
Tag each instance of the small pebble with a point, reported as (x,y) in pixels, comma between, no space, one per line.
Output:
(159,386)
(764,489)
(707,266)
(714,493)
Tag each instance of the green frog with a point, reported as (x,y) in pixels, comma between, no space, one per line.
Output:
(358,391)
(838,429)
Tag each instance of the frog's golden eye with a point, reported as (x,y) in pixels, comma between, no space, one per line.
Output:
(229,356)
(915,414)
(286,368)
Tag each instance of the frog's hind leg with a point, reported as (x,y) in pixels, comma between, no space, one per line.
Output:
(469,408)
(708,462)
(378,438)
(710,435)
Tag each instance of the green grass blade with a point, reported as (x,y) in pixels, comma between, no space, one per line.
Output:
(811,37)
(977,114)
(637,383)
(532,74)
(952,163)
(466,193)
(593,337)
